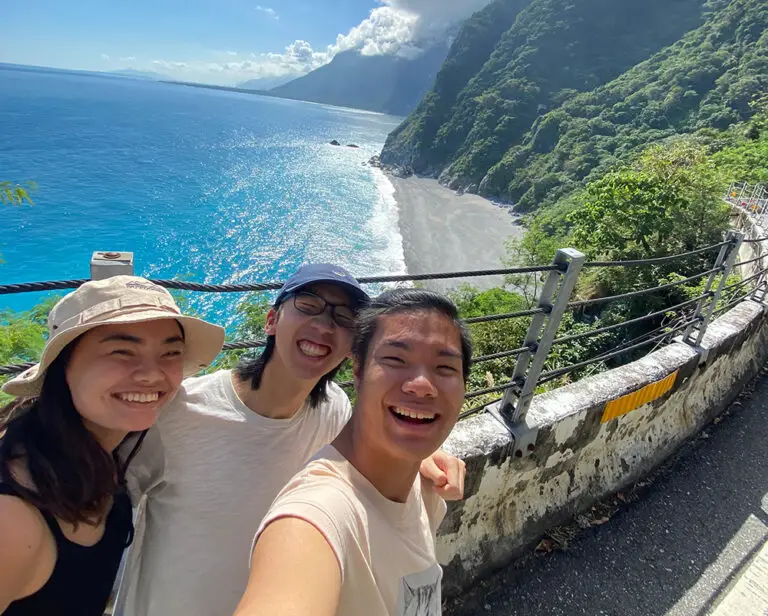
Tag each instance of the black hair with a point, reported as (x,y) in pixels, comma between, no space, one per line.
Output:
(72,475)
(408,300)
(253,369)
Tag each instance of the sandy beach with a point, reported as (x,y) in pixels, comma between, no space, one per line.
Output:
(443,231)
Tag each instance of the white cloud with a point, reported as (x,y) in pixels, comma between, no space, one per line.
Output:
(105,56)
(267,11)
(385,31)
(297,59)
(170,66)
(405,27)
(128,59)
(402,27)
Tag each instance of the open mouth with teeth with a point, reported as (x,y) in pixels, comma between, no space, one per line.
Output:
(139,397)
(313,349)
(412,417)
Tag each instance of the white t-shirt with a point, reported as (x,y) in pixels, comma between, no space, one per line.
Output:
(385,550)
(209,469)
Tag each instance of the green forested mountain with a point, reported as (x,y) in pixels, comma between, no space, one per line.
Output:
(572,87)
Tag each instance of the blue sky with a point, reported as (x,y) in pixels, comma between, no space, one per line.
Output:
(217,41)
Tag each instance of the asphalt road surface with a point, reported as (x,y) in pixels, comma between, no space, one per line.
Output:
(678,549)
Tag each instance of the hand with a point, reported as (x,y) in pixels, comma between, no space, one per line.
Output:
(446,473)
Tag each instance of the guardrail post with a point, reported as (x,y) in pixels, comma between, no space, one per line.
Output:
(108,264)
(723,265)
(553,300)
(744,189)
(760,291)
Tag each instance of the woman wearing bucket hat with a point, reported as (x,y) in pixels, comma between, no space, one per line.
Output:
(117,352)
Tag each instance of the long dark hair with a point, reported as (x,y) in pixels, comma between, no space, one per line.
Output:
(72,475)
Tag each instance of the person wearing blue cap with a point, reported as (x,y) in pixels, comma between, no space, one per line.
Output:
(225,447)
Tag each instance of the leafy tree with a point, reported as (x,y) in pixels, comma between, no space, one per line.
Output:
(668,201)
(536,247)
(492,336)
(253,317)
(745,159)
(22,336)
(15,194)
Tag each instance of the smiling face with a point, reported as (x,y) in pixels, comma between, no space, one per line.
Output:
(121,375)
(310,346)
(411,388)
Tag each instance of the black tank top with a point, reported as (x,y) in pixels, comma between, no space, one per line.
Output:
(82,577)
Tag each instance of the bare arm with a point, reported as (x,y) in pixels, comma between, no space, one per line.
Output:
(294,572)
(22,542)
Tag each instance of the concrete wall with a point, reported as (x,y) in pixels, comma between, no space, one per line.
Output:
(579,458)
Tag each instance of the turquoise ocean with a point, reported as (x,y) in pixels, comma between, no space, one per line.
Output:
(203,185)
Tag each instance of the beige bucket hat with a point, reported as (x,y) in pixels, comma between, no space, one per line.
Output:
(119,299)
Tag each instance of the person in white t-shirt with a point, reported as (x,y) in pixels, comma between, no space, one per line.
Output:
(354,532)
(225,446)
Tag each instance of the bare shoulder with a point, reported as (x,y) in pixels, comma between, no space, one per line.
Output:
(22,530)
(23,541)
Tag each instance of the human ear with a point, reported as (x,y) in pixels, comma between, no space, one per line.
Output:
(270,327)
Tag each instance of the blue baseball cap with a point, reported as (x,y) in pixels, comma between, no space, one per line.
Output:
(322,273)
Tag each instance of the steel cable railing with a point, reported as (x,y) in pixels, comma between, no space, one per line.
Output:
(552,374)
(634,321)
(636,343)
(733,303)
(570,338)
(642,341)
(656,335)
(654,260)
(631,294)
(183,285)
(743,281)
(747,262)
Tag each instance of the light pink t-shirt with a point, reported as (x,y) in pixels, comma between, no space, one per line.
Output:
(385,549)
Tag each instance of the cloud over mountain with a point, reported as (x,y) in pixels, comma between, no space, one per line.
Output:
(405,28)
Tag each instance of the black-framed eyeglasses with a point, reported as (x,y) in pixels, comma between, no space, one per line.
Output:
(313,305)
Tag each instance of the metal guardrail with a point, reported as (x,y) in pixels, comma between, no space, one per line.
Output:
(690,317)
(752,198)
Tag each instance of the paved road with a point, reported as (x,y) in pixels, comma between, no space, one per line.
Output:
(678,550)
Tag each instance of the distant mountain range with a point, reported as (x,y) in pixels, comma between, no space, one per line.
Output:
(264,84)
(389,84)
(385,83)
(131,72)
(123,72)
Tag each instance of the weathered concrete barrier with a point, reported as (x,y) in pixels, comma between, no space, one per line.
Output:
(592,440)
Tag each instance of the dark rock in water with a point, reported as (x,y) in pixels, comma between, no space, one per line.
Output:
(352,145)
(334,142)
(400,171)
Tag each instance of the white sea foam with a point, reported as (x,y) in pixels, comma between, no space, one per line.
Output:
(385,223)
